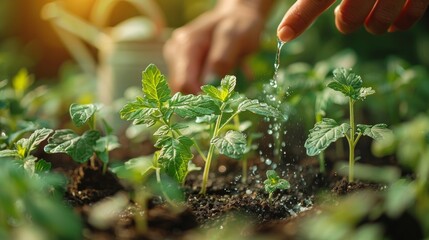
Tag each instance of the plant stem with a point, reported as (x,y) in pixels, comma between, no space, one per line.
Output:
(141,218)
(351,141)
(244,170)
(321,155)
(211,151)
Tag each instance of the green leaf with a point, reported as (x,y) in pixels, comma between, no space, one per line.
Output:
(274,182)
(376,132)
(323,134)
(155,86)
(42,166)
(163,130)
(35,139)
(30,127)
(257,107)
(224,92)
(79,148)
(233,144)
(9,153)
(364,92)
(81,113)
(135,170)
(175,155)
(140,112)
(346,82)
(190,106)
(227,84)
(104,145)
(213,92)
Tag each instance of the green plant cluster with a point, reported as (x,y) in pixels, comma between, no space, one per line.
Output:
(216,107)
(328,130)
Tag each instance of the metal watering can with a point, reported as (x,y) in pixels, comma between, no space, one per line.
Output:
(123,50)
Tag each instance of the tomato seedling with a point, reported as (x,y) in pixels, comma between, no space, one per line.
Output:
(216,106)
(328,130)
(274,182)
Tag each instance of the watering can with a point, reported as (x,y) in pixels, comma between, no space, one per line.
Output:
(124,50)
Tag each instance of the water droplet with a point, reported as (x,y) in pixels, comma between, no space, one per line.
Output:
(248,191)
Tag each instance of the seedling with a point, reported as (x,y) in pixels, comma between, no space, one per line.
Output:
(328,130)
(24,147)
(217,106)
(136,172)
(274,182)
(31,209)
(90,144)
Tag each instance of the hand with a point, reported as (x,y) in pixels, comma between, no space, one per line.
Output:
(378,16)
(214,43)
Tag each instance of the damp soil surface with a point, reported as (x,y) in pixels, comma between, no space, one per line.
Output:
(231,206)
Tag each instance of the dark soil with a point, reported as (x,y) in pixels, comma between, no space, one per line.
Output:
(238,208)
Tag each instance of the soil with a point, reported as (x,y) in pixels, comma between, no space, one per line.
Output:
(240,209)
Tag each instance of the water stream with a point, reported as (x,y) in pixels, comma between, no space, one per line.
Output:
(274,98)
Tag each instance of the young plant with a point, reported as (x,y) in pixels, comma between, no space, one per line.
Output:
(24,147)
(137,173)
(217,107)
(31,209)
(90,144)
(328,130)
(274,182)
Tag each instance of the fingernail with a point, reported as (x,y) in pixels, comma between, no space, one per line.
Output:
(286,33)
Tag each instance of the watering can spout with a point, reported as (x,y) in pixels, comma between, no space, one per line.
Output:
(124,50)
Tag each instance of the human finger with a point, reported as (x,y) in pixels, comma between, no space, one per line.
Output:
(410,14)
(383,15)
(185,53)
(232,39)
(299,17)
(351,14)
(184,58)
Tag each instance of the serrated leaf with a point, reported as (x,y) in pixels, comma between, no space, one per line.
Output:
(274,182)
(364,92)
(140,112)
(257,107)
(161,131)
(42,166)
(190,106)
(155,86)
(206,119)
(35,139)
(213,92)
(18,134)
(81,113)
(79,148)
(376,132)
(227,84)
(175,155)
(9,153)
(323,134)
(346,82)
(233,144)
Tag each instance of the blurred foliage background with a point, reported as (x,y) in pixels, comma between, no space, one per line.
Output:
(28,41)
